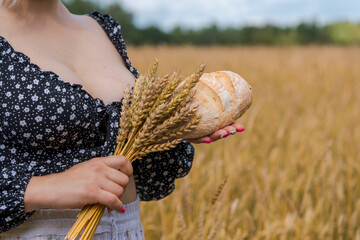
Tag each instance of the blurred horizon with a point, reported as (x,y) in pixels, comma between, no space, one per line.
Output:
(296,22)
(196,14)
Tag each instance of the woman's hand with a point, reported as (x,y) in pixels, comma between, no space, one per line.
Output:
(221,133)
(99,180)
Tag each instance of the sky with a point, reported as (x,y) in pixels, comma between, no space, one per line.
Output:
(195,14)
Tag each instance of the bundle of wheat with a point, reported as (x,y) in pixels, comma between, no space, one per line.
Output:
(154,117)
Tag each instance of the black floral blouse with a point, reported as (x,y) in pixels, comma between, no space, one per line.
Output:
(48,125)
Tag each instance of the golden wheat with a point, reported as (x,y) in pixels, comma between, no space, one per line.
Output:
(294,172)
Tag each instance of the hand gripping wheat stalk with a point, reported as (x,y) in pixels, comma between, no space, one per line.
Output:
(154,117)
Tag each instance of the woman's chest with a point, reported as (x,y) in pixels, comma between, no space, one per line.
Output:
(42,110)
(93,63)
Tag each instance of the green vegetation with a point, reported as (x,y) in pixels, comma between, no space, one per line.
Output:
(341,33)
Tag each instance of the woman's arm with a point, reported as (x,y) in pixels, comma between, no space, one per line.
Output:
(99,180)
(95,181)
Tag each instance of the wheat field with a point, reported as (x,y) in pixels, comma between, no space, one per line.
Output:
(294,173)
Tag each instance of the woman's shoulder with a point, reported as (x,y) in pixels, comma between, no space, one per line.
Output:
(107,22)
(112,28)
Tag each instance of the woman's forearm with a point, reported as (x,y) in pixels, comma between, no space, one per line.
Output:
(99,180)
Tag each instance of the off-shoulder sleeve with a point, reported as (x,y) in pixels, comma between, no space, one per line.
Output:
(14,178)
(155,173)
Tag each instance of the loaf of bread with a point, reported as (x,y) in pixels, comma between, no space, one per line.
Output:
(222,97)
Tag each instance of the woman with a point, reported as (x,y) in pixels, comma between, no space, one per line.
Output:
(61,78)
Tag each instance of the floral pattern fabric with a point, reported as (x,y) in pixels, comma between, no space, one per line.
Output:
(48,125)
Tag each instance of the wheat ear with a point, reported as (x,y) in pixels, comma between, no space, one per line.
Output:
(214,199)
(145,103)
(171,85)
(125,124)
(214,230)
(201,225)
(154,148)
(181,224)
(186,86)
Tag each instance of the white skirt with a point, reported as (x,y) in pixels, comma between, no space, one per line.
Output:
(55,224)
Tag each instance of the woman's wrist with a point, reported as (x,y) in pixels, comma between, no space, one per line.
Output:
(37,196)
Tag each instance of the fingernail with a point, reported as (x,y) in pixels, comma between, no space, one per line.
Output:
(224,136)
(123,210)
(240,130)
(208,141)
(233,132)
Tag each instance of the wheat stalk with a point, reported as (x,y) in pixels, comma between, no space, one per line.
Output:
(214,199)
(214,230)
(201,225)
(181,224)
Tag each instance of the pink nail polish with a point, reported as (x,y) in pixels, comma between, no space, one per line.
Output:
(208,141)
(123,210)
(224,136)
(240,130)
